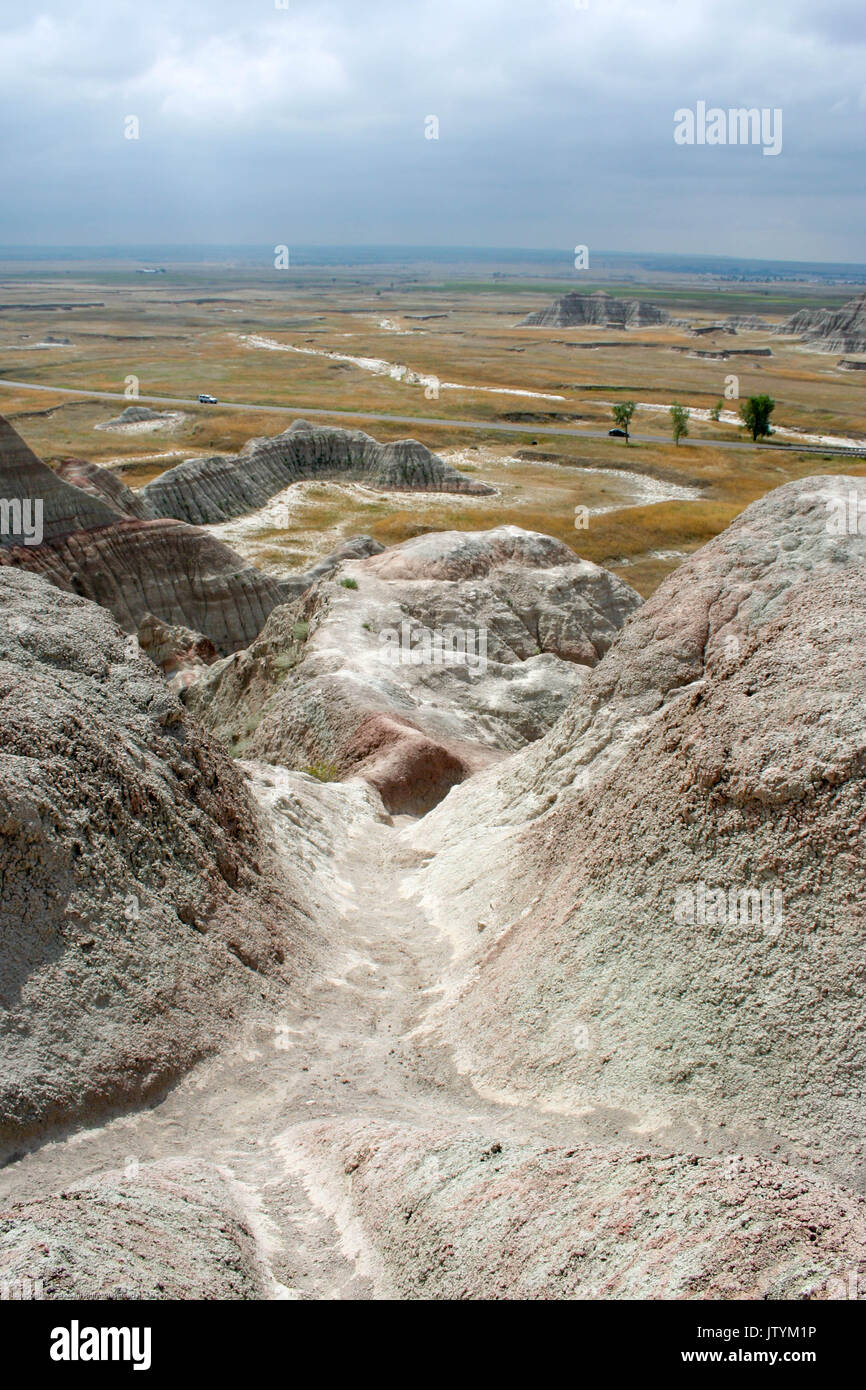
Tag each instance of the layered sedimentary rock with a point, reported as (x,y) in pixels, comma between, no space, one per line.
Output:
(831,330)
(142,910)
(177,572)
(64,508)
(600,309)
(104,484)
(178,652)
(678,929)
(418,666)
(97,541)
(210,490)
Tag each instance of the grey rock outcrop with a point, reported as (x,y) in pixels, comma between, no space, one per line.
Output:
(64,508)
(142,910)
(349,678)
(601,310)
(210,490)
(98,542)
(138,415)
(830,330)
(749,323)
(103,483)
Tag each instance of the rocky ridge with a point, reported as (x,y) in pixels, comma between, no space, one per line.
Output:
(830,330)
(207,491)
(600,309)
(101,541)
(679,924)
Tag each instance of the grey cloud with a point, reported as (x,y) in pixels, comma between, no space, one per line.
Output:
(556,123)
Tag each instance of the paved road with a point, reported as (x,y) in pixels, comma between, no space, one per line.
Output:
(450,422)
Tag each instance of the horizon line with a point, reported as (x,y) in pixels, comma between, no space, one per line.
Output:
(412,247)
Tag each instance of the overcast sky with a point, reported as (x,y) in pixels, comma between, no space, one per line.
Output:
(307,124)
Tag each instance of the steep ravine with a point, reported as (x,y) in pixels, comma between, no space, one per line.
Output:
(286,1117)
(481,1055)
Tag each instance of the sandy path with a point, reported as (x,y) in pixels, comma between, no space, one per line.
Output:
(340,1048)
(334,1051)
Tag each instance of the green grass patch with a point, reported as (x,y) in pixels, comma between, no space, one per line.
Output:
(323,772)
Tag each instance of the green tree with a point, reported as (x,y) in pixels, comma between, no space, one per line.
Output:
(716,412)
(622,413)
(755,414)
(680,421)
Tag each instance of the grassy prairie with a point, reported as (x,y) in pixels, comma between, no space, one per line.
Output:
(190,332)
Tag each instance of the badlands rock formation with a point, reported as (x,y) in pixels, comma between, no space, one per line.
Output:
(672,880)
(140,415)
(340,680)
(103,483)
(209,490)
(600,310)
(98,541)
(179,653)
(591,1028)
(65,509)
(142,909)
(831,330)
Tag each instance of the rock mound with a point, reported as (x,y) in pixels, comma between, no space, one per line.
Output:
(456,555)
(422,664)
(457,1215)
(210,490)
(679,930)
(600,310)
(141,415)
(831,330)
(142,911)
(163,1231)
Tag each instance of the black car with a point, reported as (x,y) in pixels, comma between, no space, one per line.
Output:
(620,434)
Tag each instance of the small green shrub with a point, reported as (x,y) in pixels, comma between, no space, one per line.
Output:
(324,772)
(349,583)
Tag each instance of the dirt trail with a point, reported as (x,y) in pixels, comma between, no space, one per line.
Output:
(340,1048)
(334,1051)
